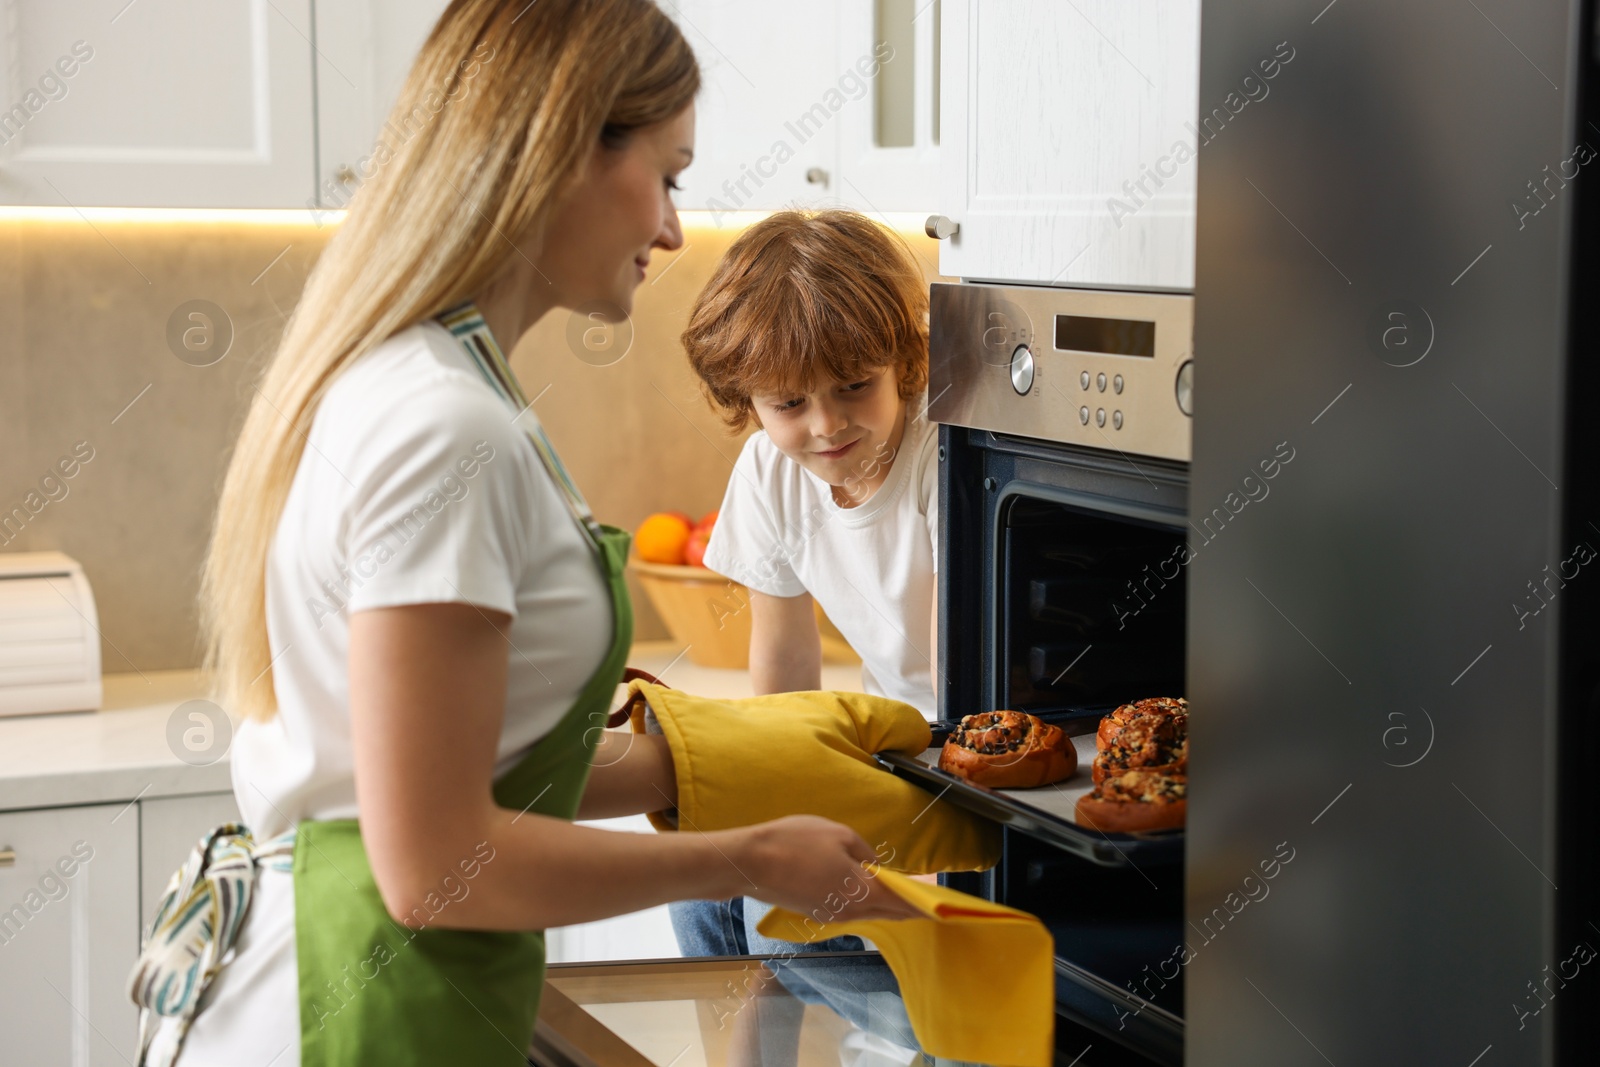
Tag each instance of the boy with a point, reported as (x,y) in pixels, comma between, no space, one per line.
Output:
(814,326)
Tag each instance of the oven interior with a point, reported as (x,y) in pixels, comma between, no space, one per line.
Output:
(1087,619)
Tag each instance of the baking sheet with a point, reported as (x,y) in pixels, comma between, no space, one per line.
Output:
(1048,812)
(1060,799)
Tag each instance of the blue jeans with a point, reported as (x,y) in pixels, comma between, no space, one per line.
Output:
(728,928)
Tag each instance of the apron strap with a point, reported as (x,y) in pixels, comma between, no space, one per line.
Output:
(466,323)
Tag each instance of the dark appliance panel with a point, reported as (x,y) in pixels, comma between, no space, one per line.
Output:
(1420,335)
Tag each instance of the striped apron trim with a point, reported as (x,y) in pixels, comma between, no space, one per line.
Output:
(196,924)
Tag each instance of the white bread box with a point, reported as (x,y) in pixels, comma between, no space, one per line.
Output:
(49,635)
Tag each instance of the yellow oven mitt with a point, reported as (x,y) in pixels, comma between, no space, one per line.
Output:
(741,762)
(977,978)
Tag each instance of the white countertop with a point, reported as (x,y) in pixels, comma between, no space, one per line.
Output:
(115,754)
(120,753)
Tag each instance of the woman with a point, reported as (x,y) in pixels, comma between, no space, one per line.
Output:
(409,600)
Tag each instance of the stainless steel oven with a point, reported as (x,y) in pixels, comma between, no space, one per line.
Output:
(1064,451)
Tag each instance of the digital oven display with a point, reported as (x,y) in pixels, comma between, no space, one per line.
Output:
(1111,337)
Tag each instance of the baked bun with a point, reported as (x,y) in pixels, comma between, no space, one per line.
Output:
(1173,705)
(1147,735)
(1134,801)
(1173,708)
(1008,750)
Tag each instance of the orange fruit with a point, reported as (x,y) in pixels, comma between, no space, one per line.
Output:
(661,538)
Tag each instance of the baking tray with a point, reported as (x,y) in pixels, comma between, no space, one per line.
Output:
(1045,813)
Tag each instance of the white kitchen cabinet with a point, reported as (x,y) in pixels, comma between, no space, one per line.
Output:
(836,109)
(365,49)
(78,890)
(279,103)
(767,118)
(169,828)
(181,103)
(1061,130)
(889,142)
(69,932)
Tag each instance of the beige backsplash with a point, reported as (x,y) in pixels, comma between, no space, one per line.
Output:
(84,310)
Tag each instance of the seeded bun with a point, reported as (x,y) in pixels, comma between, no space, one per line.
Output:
(1147,735)
(1008,750)
(1136,801)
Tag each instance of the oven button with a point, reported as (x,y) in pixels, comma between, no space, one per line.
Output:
(1100,417)
(1083,416)
(1022,370)
(1100,382)
(1186,388)
(1116,419)
(1083,379)
(1116,383)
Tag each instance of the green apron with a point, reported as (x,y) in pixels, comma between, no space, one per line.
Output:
(373,991)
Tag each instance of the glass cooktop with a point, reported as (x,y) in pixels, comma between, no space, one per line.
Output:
(835,1009)
(819,1010)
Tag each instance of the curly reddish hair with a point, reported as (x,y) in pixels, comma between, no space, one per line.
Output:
(803,297)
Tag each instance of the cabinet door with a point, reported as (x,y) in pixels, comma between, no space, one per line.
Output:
(168,829)
(889,141)
(767,118)
(365,49)
(69,899)
(184,103)
(1062,129)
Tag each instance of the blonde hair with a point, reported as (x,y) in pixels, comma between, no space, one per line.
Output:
(487,155)
(807,295)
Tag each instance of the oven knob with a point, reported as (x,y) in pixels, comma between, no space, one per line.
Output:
(1083,416)
(1022,370)
(1116,383)
(1083,379)
(1186,388)
(1100,417)
(1100,382)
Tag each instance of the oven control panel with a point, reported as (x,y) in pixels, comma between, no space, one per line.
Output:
(1102,369)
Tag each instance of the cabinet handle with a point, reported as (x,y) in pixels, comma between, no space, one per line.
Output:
(941,226)
(8,857)
(817,176)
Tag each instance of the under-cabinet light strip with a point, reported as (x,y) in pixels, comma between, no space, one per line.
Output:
(698,220)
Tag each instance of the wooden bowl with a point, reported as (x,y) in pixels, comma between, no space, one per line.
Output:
(710,614)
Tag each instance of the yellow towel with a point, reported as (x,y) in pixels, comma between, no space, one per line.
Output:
(978,978)
(741,762)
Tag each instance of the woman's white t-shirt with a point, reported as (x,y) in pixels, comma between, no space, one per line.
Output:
(871,567)
(415,487)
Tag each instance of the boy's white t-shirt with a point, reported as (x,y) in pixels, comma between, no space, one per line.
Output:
(871,567)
